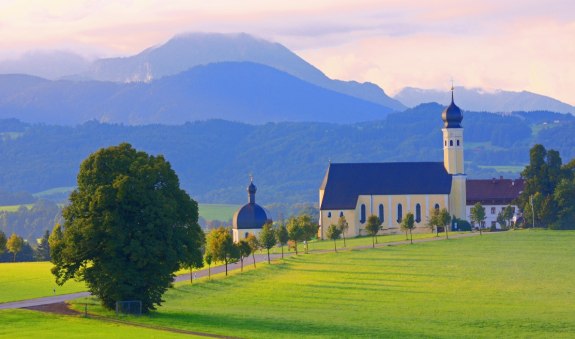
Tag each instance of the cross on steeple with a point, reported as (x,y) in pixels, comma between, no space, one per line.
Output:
(452,88)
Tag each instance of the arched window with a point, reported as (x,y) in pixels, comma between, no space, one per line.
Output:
(329,214)
(341,214)
(450,142)
(457,142)
(381,213)
(399,212)
(418,213)
(362,214)
(436,206)
(445,143)
(246,234)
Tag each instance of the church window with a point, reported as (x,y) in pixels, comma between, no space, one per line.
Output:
(399,212)
(381,213)
(418,213)
(329,214)
(362,214)
(341,214)
(445,143)
(450,142)
(436,206)
(457,142)
(246,234)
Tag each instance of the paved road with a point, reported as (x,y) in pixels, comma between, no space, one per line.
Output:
(204,272)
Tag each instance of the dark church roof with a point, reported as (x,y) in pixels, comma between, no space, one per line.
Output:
(251,215)
(452,115)
(493,191)
(343,183)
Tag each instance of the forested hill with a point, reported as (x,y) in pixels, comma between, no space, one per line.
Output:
(288,160)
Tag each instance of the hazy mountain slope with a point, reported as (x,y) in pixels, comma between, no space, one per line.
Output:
(245,92)
(189,50)
(478,100)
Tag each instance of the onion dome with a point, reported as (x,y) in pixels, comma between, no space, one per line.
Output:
(452,116)
(251,215)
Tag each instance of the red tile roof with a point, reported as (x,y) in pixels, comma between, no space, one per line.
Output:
(493,191)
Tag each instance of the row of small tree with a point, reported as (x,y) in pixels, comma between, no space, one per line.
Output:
(16,244)
(220,246)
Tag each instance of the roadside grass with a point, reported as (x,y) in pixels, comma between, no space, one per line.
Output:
(221,212)
(20,281)
(32,324)
(508,284)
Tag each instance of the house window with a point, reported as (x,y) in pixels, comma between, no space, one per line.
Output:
(399,213)
(418,213)
(329,214)
(362,214)
(458,142)
(493,210)
(493,224)
(436,206)
(450,142)
(381,213)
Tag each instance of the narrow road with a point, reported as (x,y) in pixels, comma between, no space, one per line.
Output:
(214,270)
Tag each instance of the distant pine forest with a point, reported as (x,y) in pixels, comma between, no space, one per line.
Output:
(288,160)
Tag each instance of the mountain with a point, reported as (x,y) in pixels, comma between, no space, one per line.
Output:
(190,50)
(236,91)
(46,64)
(475,99)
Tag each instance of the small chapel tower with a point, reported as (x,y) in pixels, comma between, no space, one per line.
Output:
(453,157)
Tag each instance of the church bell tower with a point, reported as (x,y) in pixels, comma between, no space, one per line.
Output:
(453,157)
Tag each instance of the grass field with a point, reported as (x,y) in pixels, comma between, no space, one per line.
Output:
(509,284)
(19,281)
(503,169)
(31,324)
(217,211)
(13,208)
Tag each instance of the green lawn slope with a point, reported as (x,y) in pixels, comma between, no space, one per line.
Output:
(511,284)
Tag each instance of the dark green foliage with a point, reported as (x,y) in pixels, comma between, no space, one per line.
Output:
(372,227)
(564,196)
(127,229)
(462,225)
(282,237)
(42,252)
(333,232)
(267,238)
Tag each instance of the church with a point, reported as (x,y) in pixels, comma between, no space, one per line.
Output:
(390,190)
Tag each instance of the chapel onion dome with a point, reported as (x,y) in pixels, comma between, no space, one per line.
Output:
(452,115)
(251,215)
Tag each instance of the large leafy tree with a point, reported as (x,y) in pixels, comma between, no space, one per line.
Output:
(372,227)
(267,238)
(408,224)
(15,244)
(478,215)
(129,227)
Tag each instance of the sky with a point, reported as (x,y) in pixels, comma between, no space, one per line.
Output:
(491,44)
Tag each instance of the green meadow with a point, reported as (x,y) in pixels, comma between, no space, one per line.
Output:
(509,284)
(221,212)
(19,281)
(33,324)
